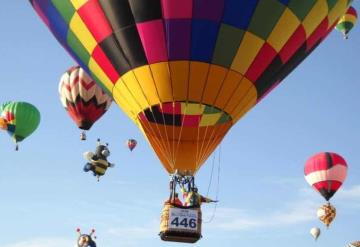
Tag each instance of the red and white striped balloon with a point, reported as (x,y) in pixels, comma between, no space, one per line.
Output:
(326,172)
(82,98)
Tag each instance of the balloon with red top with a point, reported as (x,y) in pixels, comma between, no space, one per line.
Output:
(326,172)
(131,143)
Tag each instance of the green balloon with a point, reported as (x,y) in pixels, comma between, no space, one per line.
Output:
(22,119)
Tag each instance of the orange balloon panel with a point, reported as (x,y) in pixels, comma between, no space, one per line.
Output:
(183,135)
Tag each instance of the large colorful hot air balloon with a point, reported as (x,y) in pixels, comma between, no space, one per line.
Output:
(347,22)
(326,172)
(21,120)
(82,98)
(185,71)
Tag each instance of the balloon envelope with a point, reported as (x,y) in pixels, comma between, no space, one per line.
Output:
(326,213)
(347,21)
(186,71)
(354,244)
(131,144)
(315,232)
(82,98)
(22,119)
(325,172)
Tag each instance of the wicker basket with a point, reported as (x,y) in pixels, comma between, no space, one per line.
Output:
(184,217)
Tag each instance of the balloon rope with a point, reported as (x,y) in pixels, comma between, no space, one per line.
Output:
(166,147)
(217,188)
(180,134)
(211,175)
(163,119)
(156,140)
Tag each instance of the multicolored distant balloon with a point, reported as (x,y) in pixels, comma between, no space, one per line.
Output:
(326,172)
(82,98)
(131,143)
(20,119)
(355,244)
(326,213)
(347,22)
(186,71)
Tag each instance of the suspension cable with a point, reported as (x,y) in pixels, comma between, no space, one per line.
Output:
(217,187)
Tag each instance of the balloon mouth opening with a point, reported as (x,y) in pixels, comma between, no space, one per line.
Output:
(185,114)
(85,124)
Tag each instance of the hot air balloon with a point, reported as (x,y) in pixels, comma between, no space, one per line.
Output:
(131,143)
(347,22)
(82,98)
(355,244)
(186,71)
(326,172)
(315,232)
(326,214)
(86,240)
(21,120)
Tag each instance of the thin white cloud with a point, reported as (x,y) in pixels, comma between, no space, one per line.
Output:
(133,236)
(43,242)
(131,232)
(352,193)
(233,219)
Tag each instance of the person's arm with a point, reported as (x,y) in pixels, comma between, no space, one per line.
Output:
(207,200)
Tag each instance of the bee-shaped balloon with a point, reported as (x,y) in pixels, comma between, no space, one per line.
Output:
(86,240)
(98,162)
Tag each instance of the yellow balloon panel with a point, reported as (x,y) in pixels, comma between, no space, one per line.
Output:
(214,83)
(162,78)
(198,77)
(179,72)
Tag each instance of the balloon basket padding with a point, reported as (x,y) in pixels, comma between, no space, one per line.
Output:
(179,235)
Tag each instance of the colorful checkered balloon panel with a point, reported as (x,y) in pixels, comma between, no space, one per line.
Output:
(326,172)
(186,70)
(82,98)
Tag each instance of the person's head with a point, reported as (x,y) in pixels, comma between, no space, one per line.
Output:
(176,195)
(195,189)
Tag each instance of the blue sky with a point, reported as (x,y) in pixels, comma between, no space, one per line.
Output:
(264,199)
